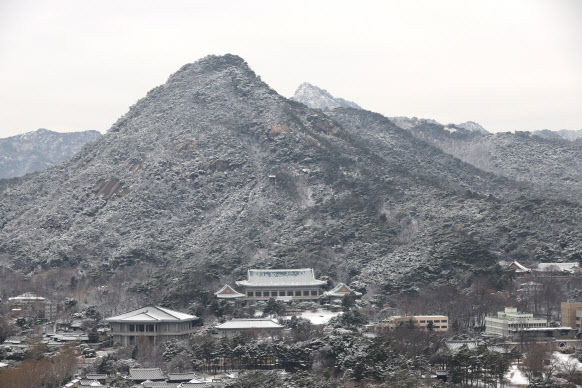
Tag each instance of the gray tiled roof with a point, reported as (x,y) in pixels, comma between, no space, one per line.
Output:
(280,278)
(143,374)
(152,314)
(227,292)
(159,384)
(96,376)
(235,324)
(341,290)
(182,376)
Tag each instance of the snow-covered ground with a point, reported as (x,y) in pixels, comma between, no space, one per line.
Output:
(563,358)
(2,365)
(319,317)
(516,376)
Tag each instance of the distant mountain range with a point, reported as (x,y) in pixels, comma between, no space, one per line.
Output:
(35,151)
(213,172)
(564,134)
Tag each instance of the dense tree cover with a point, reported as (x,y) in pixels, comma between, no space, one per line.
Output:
(38,370)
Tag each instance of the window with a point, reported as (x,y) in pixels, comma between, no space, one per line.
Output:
(250,293)
(443,327)
(423,321)
(437,321)
(313,293)
(306,293)
(289,293)
(282,293)
(150,328)
(131,327)
(298,293)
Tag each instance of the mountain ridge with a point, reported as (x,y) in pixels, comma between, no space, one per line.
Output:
(215,171)
(34,151)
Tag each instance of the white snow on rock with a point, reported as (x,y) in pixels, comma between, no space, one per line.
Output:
(318,98)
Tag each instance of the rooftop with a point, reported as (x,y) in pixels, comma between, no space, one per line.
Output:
(152,314)
(547,267)
(187,376)
(249,324)
(281,278)
(143,374)
(27,296)
(227,292)
(341,290)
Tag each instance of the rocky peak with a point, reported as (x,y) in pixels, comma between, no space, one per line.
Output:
(318,98)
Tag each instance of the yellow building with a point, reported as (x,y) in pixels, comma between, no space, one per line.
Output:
(569,313)
(440,323)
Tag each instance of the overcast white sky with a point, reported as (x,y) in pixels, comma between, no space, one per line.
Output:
(507,64)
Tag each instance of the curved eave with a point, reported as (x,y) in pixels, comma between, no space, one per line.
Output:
(109,320)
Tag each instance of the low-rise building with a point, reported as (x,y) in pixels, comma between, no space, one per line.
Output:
(29,303)
(511,322)
(139,375)
(578,324)
(568,268)
(439,323)
(261,327)
(339,291)
(282,284)
(154,323)
(227,292)
(519,269)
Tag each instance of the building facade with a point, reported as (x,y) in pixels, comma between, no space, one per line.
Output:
(282,284)
(569,310)
(438,323)
(153,323)
(31,304)
(511,322)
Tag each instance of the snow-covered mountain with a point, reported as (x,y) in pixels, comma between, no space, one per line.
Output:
(566,134)
(35,151)
(318,98)
(472,126)
(411,122)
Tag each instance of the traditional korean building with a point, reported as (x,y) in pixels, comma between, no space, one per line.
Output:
(519,269)
(282,284)
(227,292)
(566,268)
(339,291)
(154,323)
(260,326)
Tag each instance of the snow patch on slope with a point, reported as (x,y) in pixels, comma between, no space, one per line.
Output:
(318,98)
